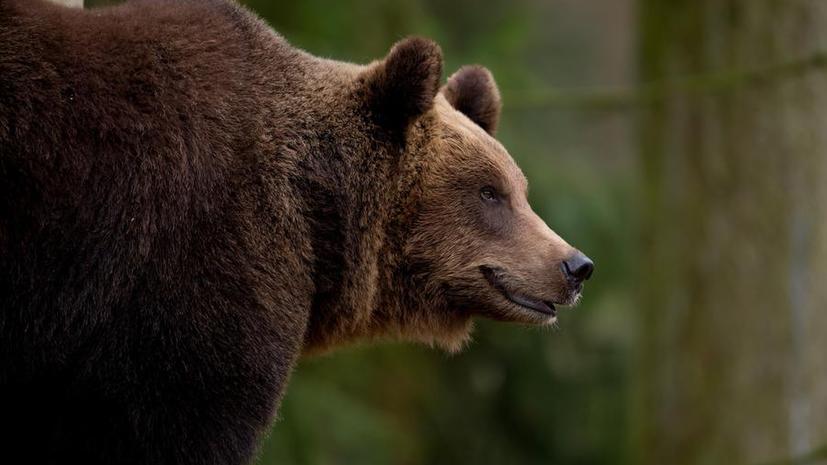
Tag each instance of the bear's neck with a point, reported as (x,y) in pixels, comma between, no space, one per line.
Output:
(352,210)
(361,196)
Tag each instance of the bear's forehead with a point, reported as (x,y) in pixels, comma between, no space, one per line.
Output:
(461,123)
(465,136)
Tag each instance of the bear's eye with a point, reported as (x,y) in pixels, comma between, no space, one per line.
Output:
(489,194)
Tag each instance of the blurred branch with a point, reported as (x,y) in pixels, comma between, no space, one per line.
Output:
(818,455)
(615,99)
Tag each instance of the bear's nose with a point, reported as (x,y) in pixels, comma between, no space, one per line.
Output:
(578,267)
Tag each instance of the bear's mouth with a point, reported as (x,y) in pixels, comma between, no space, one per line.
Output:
(493,276)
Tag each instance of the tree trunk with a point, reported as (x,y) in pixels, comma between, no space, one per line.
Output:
(733,366)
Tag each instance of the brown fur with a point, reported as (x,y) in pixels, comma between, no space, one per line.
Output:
(188,203)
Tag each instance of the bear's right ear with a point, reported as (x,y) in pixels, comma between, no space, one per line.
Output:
(473,92)
(403,85)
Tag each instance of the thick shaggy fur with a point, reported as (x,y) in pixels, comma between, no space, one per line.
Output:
(188,203)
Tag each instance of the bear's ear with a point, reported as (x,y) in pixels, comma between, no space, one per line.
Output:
(472,91)
(403,85)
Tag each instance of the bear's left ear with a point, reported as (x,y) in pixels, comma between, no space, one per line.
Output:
(472,91)
(403,85)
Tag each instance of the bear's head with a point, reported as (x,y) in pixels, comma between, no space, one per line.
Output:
(472,244)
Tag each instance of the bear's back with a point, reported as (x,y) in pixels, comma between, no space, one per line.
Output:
(121,131)
(141,255)
(143,69)
(129,155)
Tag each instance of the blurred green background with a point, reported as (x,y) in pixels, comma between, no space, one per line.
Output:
(683,146)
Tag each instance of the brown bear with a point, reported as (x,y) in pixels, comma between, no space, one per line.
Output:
(188,204)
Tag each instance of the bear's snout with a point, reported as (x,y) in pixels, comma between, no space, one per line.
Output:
(578,268)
